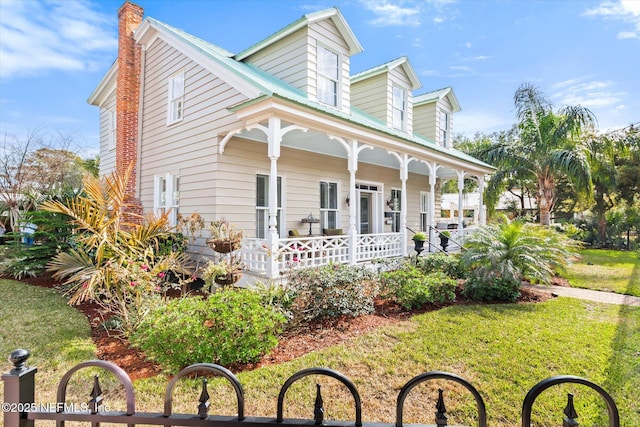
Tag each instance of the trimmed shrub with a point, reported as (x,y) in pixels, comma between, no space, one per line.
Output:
(412,288)
(232,325)
(448,264)
(494,288)
(330,291)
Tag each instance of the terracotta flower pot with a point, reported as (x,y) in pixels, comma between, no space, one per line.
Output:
(229,279)
(224,246)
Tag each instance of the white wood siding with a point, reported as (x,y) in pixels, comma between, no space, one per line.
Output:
(371,96)
(287,59)
(107,147)
(425,121)
(187,148)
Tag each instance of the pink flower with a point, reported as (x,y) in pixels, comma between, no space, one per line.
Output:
(157,288)
(161,275)
(133,284)
(85,285)
(144,267)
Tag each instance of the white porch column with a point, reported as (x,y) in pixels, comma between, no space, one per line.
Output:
(482,218)
(433,168)
(273,138)
(460,200)
(404,175)
(353,231)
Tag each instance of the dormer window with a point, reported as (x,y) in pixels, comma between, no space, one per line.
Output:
(176,98)
(328,76)
(444,128)
(399,119)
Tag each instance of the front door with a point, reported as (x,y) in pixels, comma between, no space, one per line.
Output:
(365,211)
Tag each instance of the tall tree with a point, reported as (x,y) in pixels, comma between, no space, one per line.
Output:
(547,148)
(13,175)
(35,166)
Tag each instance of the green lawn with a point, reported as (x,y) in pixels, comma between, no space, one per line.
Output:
(39,319)
(502,349)
(606,270)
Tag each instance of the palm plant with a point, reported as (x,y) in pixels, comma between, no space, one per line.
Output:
(114,262)
(516,250)
(547,147)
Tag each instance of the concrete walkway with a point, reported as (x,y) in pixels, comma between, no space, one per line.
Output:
(587,294)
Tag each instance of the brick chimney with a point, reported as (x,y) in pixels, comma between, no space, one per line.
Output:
(128,98)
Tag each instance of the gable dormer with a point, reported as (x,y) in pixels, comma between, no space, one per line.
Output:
(312,55)
(385,93)
(433,115)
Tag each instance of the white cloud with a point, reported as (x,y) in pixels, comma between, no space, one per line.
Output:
(39,36)
(460,68)
(590,94)
(624,10)
(389,13)
(470,122)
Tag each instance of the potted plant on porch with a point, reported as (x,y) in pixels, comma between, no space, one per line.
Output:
(444,239)
(225,237)
(418,239)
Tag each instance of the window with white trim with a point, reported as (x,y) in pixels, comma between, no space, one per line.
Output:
(167,196)
(424,211)
(444,128)
(328,204)
(262,205)
(328,76)
(112,128)
(176,98)
(399,108)
(396,207)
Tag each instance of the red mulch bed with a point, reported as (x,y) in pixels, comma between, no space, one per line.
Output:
(292,344)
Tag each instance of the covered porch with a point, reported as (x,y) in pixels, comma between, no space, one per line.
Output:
(386,190)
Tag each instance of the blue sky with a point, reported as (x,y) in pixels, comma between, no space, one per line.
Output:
(54,53)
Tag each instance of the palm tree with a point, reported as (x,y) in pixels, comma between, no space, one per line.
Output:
(547,147)
(114,262)
(516,250)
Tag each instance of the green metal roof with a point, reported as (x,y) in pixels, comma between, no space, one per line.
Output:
(402,61)
(435,95)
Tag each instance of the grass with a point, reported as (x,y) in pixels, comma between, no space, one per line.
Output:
(39,319)
(606,270)
(503,350)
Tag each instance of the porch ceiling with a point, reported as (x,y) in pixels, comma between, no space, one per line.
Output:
(318,142)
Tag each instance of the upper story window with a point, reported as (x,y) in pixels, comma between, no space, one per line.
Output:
(399,105)
(176,98)
(444,128)
(328,76)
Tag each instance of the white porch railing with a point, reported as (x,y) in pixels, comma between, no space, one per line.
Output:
(319,250)
(383,245)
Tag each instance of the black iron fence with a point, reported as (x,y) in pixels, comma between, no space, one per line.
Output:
(20,410)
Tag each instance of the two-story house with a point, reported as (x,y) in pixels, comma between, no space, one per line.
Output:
(279,136)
